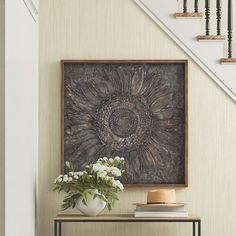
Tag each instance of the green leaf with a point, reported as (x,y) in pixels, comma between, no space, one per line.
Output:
(85,198)
(56,188)
(109,206)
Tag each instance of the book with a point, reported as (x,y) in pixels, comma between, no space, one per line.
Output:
(161,208)
(160,214)
(160,204)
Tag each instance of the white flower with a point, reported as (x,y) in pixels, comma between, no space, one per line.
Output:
(105,159)
(70,179)
(79,173)
(117,184)
(120,186)
(122,158)
(102,175)
(111,160)
(56,180)
(107,178)
(98,167)
(71,173)
(65,178)
(115,171)
(59,180)
(76,176)
(117,158)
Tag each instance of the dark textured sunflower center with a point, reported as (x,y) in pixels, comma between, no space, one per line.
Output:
(123,122)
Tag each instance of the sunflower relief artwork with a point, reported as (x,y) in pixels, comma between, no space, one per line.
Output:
(136,110)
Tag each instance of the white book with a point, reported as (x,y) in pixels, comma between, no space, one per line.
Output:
(160,214)
(161,208)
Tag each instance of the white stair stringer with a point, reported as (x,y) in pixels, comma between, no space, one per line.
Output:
(184,32)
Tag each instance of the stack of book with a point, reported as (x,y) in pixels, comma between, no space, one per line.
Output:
(160,210)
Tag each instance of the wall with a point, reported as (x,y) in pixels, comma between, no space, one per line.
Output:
(111,29)
(21,104)
(2,114)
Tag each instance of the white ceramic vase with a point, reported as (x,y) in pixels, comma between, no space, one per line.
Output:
(94,207)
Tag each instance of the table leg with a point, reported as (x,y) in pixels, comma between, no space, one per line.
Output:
(60,226)
(194,230)
(55,228)
(199,228)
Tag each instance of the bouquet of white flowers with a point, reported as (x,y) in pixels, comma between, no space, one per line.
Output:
(101,176)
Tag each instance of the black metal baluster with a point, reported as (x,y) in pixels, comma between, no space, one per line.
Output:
(230,28)
(196,6)
(218,15)
(185,6)
(207,14)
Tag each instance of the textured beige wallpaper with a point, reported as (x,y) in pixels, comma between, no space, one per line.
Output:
(118,29)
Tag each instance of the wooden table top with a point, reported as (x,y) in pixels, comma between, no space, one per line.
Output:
(121,218)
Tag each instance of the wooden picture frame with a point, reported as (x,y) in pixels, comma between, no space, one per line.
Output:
(183,63)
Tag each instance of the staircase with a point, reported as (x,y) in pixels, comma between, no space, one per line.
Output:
(185,29)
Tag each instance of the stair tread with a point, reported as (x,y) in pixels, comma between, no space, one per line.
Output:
(188,14)
(228,60)
(211,37)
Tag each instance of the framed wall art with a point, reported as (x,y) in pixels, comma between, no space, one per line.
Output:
(136,109)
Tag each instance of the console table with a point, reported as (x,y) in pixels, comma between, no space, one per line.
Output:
(59,219)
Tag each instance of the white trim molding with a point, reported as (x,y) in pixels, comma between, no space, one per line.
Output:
(32,8)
